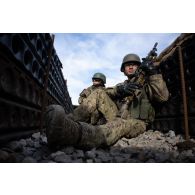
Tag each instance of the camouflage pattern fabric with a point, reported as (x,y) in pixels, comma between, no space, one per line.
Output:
(62,131)
(74,130)
(141,108)
(98,102)
(156,89)
(86,92)
(109,133)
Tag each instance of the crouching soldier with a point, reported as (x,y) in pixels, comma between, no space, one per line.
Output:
(99,81)
(129,118)
(88,111)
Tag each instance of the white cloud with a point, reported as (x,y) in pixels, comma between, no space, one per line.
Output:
(84,54)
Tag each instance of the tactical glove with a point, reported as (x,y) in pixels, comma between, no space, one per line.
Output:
(151,69)
(127,89)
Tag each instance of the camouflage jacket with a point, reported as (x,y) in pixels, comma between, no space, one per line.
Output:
(86,92)
(154,90)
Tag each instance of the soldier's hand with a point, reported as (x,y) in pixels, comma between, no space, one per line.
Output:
(127,89)
(152,69)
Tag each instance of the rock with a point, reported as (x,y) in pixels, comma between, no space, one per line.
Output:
(63,158)
(121,143)
(115,150)
(29,160)
(28,151)
(29,142)
(23,142)
(191,159)
(126,157)
(15,146)
(174,154)
(151,146)
(89,161)
(171,141)
(151,161)
(97,160)
(118,159)
(18,157)
(43,140)
(179,138)
(161,157)
(68,150)
(188,153)
(47,161)
(37,144)
(171,134)
(128,150)
(53,155)
(37,155)
(4,156)
(78,154)
(36,135)
(132,161)
(90,154)
(79,160)
(142,157)
(104,156)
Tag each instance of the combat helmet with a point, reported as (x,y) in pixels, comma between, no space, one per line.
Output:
(130,58)
(100,76)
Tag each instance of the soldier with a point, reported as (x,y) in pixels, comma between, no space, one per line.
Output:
(131,121)
(134,99)
(99,81)
(87,111)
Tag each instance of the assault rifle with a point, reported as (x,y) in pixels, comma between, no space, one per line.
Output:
(146,65)
(139,79)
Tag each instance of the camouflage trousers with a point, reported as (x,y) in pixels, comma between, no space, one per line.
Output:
(97,104)
(63,131)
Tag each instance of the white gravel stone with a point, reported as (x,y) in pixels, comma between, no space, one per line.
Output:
(36,135)
(53,155)
(150,147)
(90,154)
(89,161)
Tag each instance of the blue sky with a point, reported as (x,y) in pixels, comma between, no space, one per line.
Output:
(83,54)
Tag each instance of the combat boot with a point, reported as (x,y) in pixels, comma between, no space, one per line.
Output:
(60,129)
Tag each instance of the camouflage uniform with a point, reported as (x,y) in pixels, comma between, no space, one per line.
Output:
(141,109)
(96,106)
(86,92)
(62,130)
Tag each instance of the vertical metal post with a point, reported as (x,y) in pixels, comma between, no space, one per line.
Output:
(184,98)
(46,82)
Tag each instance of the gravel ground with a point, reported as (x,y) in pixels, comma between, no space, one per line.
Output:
(150,147)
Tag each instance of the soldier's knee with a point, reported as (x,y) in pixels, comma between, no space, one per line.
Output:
(137,127)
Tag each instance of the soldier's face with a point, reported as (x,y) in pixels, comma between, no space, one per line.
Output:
(96,82)
(130,69)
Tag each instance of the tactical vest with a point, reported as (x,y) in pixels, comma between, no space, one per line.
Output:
(141,107)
